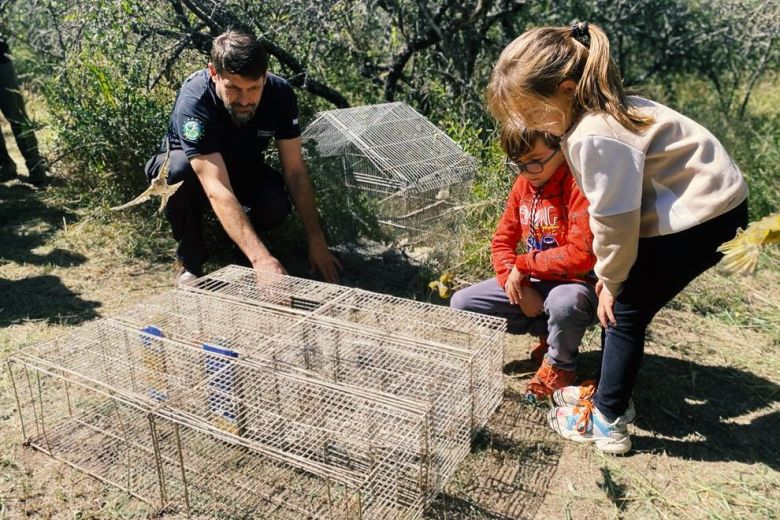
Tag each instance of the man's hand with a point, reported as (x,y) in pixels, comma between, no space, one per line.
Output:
(321,259)
(606,312)
(269,264)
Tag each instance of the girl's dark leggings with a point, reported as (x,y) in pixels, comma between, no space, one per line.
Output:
(664,266)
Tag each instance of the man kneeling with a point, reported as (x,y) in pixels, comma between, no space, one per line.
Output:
(222,121)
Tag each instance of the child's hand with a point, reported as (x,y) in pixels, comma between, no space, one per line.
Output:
(513,286)
(605,311)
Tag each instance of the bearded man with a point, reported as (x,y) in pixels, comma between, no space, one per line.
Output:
(222,122)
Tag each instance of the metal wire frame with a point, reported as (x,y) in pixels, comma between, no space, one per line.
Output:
(332,431)
(397,157)
(285,292)
(318,380)
(354,437)
(202,318)
(403,149)
(170,465)
(334,351)
(476,336)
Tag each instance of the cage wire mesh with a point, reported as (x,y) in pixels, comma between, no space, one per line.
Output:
(462,335)
(398,168)
(271,396)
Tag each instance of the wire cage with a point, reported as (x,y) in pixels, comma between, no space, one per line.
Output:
(270,396)
(398,168)
(182,465)
(463,335)
(159,419)
(334,351)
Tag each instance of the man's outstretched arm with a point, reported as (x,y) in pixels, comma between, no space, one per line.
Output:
(297,180)
(212,174)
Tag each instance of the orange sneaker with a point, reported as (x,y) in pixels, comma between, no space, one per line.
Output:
(547,380)
(538,352)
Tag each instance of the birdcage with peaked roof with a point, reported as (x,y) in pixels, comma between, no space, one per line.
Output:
(398,168)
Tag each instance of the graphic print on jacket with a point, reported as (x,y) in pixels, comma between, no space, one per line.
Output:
(542,223)
(550,226)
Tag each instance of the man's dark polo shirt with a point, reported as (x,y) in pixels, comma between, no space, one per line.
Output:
(201,125)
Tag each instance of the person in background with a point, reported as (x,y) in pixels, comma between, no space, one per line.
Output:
(12,107)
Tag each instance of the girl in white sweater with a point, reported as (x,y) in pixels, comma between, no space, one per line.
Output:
(663,193)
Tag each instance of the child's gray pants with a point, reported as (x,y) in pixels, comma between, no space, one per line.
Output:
(569,308)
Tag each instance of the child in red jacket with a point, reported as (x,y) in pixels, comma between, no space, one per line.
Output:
(545,291)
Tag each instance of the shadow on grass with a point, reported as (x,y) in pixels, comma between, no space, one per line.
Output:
(42,298)
(27,223)
(703,412)
(509,470)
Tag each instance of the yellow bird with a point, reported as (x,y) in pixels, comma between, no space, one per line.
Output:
(443,285)
(159,186)
(742,252)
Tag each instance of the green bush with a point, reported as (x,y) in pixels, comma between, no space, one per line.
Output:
(105,125)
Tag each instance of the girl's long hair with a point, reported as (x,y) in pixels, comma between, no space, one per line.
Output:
(531,68)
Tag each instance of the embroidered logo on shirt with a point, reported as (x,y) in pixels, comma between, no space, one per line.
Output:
(192,130)
(265,133)
(295,121)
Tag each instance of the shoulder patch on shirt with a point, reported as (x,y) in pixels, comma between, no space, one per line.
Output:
(192,130)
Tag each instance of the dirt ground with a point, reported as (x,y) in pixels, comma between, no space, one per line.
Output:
(708,398)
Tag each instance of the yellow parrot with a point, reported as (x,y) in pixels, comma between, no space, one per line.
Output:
(443,285)
(742,252)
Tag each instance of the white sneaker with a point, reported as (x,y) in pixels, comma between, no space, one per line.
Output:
(185,278)
(572,395)
(584,423)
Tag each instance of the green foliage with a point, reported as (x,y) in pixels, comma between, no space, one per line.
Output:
(106,124)
(106,128)
(490,190)
(109,72)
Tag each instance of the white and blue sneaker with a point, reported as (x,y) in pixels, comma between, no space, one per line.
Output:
(584,423)
(573,395)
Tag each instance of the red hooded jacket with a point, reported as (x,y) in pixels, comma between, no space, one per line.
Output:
(552,224)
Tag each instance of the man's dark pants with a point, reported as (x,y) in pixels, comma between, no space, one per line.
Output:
(259,189)
(12,107)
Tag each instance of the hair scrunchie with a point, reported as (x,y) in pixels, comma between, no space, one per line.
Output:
(581,33)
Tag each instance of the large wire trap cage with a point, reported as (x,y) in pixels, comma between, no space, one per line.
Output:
(393,168)
(271,397)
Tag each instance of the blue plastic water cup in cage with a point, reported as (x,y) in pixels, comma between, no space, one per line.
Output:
(223,396)
(153,359)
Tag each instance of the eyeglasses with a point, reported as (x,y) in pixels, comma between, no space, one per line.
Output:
(518,167)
